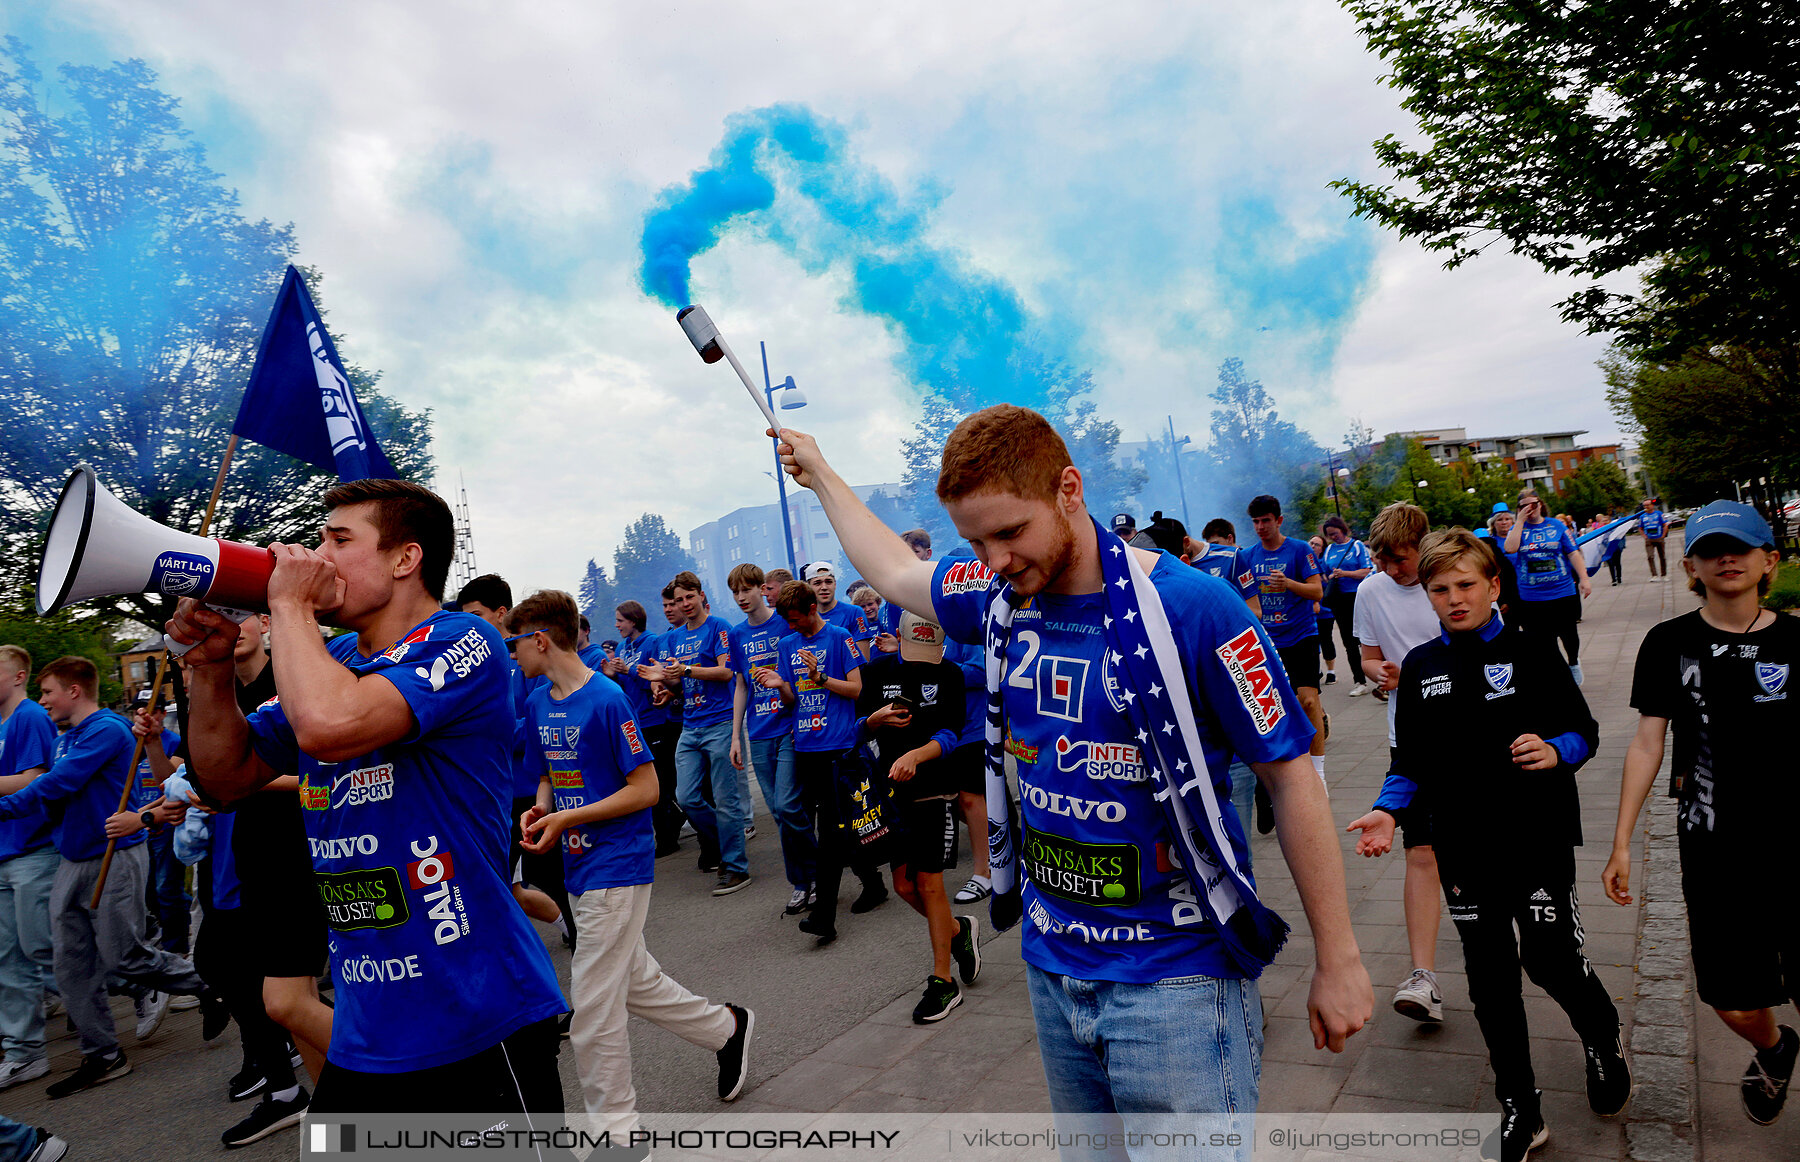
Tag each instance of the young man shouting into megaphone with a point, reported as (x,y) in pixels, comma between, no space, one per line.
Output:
(401,734)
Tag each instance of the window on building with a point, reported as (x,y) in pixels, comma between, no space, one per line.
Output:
(736,555)
(820,536)
(1559,463)
(699,544)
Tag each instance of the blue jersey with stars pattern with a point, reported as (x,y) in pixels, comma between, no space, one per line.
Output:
(1105,895)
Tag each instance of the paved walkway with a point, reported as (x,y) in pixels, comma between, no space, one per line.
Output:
(983,1057)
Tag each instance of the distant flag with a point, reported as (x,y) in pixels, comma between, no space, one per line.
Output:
(1599,544)
(299,401)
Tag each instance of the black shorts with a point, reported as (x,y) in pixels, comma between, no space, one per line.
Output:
(1301,661)
(1414,825)
(924,835)
(968,768)
(518,1075)
(1745,942)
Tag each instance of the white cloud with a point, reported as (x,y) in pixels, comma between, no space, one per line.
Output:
(471,179)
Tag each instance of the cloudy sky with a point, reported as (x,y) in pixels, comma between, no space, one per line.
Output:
(1148,179)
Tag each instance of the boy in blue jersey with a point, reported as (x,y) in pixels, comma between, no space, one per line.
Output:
(537,883)
(818,674)
(1114,1039)
(1655,525)
(1552,577)
(1224,560)
(27,867)
(767,726)
(596,786)
(822,576)
(80,792)
(402,736)
(1288,581)
(695,659)
(636,652)
(1345,562)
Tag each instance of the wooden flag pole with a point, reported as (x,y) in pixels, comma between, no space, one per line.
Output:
(156,687)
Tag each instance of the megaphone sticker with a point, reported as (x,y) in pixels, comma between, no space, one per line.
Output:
(178,574)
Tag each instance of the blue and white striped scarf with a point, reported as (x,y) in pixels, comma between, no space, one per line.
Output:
(1136,631)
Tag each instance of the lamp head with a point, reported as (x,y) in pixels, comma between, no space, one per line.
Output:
(791,395)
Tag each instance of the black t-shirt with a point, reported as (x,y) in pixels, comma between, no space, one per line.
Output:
(1728,697)
(935,690)
(269,840)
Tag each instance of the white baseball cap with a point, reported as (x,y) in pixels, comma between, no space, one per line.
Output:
(814,568)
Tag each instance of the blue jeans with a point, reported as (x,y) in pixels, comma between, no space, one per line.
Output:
(168,894)
(27,962)
(1186,1045)
(773,759)
(1243,797)
(703,751)
(16,1140)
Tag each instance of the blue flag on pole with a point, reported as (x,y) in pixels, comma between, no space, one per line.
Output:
(299,401)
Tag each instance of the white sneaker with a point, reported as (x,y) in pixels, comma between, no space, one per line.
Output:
(750,833)
(152,1007)
(1575,673)
(14,1072)
(1358,690)
(1419,998)
(183,1004)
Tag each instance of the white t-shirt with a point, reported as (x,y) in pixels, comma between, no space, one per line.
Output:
(1396,619)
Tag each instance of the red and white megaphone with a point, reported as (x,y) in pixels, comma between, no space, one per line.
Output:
(98,547)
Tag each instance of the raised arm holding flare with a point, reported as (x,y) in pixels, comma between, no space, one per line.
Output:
(1125,674)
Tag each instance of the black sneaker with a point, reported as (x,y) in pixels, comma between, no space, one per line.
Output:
(268,1116)
(93,1070)
(1765,1083)
(1608,1075)
(824,934)
(246,1083)
(1331,677)
(874,894)
(46,1147)
(215,1017)
(965,947)
(734,1058)
(1522,1128)
(730,882)
(1265,810)
(709,861)
(940,997)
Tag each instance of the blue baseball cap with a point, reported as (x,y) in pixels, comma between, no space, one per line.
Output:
(1729,519)
(1499,507)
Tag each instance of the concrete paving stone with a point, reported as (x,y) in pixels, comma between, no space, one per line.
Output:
(1653,967)
(873,1101)
(1664,1040)
(1434,1078)
(1024,1069)
(876,1046)
(1662,990)
(1457,1034)
(1655,1011)
(1362,1103)
(925,1074)
(815,1084)
(1008,998)
(1000,1098)
(973,1035)
(1576,1129)
(1286,1087)
(897,1012)
(1610,919)
(1290,1039)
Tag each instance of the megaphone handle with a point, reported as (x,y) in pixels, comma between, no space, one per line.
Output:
(179,649)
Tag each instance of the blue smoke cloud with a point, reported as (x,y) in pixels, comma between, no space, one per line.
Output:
(961,330)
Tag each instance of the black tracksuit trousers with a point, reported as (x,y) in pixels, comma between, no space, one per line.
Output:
(1536,891)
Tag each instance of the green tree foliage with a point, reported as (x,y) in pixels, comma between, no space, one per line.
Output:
(1254,451)
(596,598)
(68,634)
(647,559)
(132,297)
(1594,138)
(1093,445)
(1707,422)
(1598,486)
(924,454)
(1392,471)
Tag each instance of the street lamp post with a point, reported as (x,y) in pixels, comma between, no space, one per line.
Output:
(1333,475)
(791,397)
(1175,455)
(1418,484)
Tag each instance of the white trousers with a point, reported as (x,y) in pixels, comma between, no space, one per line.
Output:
(613,976)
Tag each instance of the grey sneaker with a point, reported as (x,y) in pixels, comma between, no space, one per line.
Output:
(797,903)
(730,882)
(1419,998)
(152,1007)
